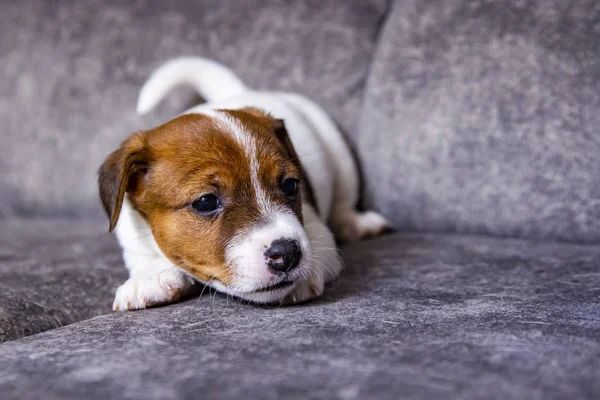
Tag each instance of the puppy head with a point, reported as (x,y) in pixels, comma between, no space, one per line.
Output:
(222,195)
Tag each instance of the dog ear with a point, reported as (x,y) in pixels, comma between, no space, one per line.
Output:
(115,175)
(280,132)
(282,135)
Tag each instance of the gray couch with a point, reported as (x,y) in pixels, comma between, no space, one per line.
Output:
(477,126)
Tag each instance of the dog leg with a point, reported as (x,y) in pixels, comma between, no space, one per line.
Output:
(153,281)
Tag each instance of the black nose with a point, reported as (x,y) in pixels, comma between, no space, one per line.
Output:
(283,255)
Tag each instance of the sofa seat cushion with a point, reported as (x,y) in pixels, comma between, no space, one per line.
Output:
(55,272)
(413,316)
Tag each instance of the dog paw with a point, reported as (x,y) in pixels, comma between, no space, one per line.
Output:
(161,288)
(305,290)
(354,226)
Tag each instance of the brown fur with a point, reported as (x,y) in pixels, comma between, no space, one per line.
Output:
(278,127)
(165,169)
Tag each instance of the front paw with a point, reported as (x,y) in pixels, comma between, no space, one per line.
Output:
(161,288)
(308,289)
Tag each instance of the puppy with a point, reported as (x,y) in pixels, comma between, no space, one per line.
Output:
(235,193)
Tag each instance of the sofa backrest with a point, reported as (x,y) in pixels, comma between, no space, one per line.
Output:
(483,116)
(478,116)
(72,70)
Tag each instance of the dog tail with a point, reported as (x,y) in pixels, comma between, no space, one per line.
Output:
(212,80)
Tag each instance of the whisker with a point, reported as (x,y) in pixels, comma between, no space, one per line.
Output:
(307,155)
(213,301)
(317,238)
(326,268)
(338,255)
(207,284)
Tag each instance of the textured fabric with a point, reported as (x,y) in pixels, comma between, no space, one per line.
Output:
(72,69)
(54,273)
(450,140)
(414,316)
(482,116)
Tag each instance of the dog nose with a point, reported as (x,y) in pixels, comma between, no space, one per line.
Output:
(283,255)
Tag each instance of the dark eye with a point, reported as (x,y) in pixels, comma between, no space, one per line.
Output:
(289,187)
(206,204)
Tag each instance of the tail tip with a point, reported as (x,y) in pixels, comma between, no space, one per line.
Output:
(144,103)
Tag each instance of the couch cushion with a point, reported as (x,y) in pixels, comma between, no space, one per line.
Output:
(414,316)
(72,69)
(482,116)
(54,273)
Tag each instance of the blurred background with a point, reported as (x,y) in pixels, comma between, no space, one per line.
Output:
(71,72)
(470,116)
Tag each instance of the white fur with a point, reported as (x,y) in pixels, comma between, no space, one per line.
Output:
(212,80)
(248,143)
(245,253)
(326,160)
(309,146)
(152,277)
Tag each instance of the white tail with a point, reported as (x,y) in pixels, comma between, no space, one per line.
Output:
(212,80)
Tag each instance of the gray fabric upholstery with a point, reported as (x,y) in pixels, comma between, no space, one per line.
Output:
(54,273)
(414,316)
(478,116)
(72,69)
(482,116)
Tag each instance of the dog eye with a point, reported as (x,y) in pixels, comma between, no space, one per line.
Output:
(206,204)
(289,187)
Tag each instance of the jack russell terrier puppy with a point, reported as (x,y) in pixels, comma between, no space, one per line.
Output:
(235,193)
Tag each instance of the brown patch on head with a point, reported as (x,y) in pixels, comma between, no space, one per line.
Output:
(276,127)
(278,159)
(166,169)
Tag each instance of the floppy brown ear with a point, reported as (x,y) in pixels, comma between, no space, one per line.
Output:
(115,174)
